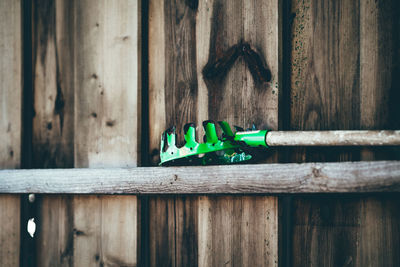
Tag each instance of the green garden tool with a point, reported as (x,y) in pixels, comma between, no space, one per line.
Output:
(230,148)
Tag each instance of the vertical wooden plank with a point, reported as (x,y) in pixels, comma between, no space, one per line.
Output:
(86,104)
(325,95)
(106,83)
(186,230)
(162,231)
(379,241)
(105,231)
(183,37)
(53,124)
(10,84)
(172,101)
(10,125)
(106,126)
(239,230)
(342,67)
(9,232)
(379,235)
(55,233)
(325,66)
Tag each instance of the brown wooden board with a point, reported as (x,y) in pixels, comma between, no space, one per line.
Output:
(10,125)
(343,68)
(86,91)
(379,236)
(107,131)
(238,231)
(291,178)
(53,124)
(187,40)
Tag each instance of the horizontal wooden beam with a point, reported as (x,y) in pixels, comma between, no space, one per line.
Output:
(377,176)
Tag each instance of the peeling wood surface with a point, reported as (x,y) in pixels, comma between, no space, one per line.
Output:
(357,177)
(10,125)
(344,64)
(207,60)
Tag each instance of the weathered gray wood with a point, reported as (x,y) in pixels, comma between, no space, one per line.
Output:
(230,232)
(231,227)
(344,76)
(53,124)
(106,126)
(379,217)
(10,125)
(333,138)
(379,176)
(184,38)
(325,93)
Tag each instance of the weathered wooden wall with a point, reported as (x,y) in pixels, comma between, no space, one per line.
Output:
(10,125)
(344,75)
(86,114)
(184,38)
(53,123)
(344,69)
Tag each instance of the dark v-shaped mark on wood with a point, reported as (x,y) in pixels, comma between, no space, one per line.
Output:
(219,67)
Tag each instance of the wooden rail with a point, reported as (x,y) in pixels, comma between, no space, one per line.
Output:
(377,176)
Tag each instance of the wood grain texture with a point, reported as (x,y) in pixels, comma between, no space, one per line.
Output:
(379,79)
(106,126)
(10,125)
(86,79)
(55,238)
(237,97)
(234,230)
(177,247)
(10,84)
(184,38)
(53,52)
(53,124)
(230,230)
(105,230)
(339,84)
(173,90)
(333,138)
(10,230)
(325,96)
(379,176)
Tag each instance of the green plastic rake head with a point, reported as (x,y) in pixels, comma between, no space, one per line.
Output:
(227,149)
